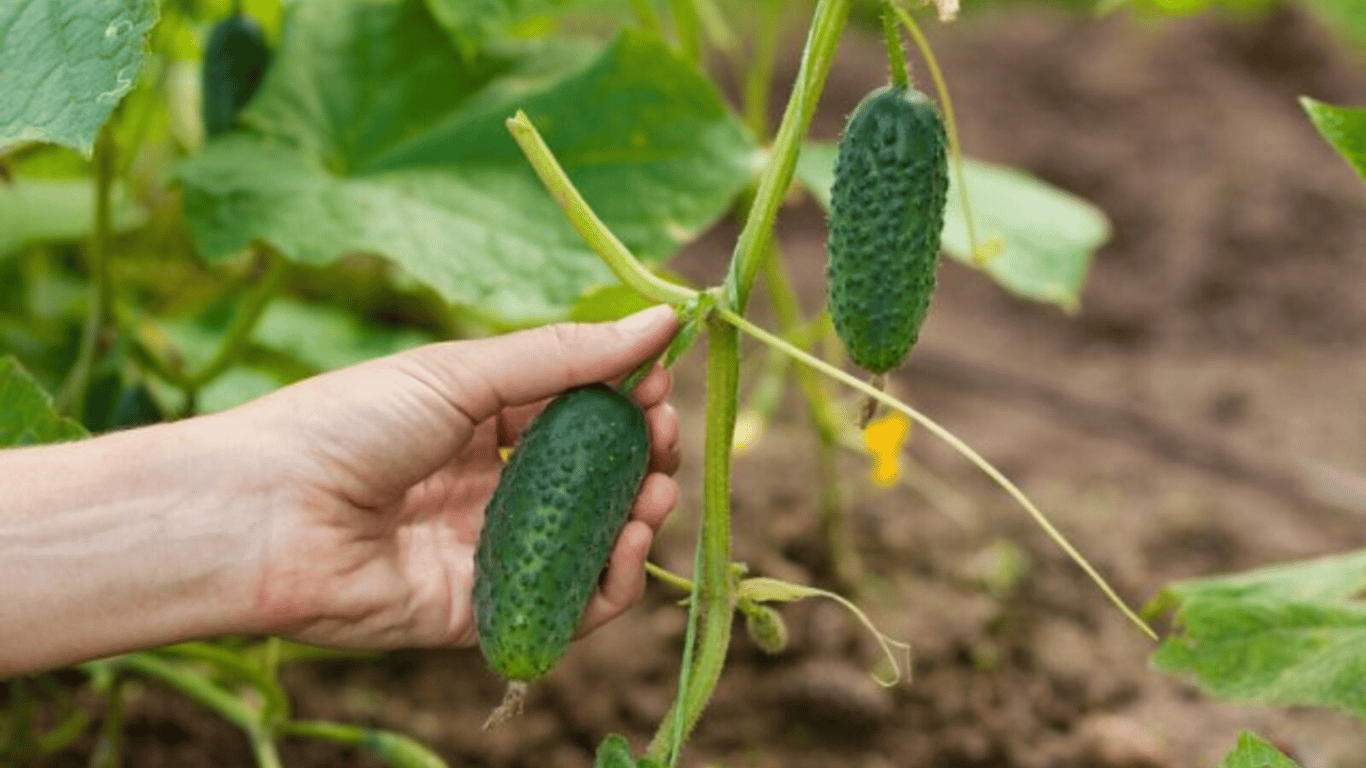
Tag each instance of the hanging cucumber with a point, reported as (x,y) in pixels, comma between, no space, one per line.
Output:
(886,215)
(551,523)
(235,61)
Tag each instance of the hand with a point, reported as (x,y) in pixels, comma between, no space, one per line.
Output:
(379,475)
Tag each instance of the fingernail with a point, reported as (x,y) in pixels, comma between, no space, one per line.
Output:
(645,320)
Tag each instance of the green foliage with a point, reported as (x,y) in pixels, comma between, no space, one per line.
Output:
(63,93)
(549,528)
(353,150)
(1252,752)
(57,210)
(471,23)
(1343,127)
(1292,634)
(235,60)
(886,216)
(26,413)
(1047,236)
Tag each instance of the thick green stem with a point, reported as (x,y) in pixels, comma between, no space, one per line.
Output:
(624,265)
(714,603)
(759,76)
(896,57)
(821,44)
(71,398)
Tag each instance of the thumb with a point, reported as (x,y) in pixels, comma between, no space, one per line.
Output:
(482,377)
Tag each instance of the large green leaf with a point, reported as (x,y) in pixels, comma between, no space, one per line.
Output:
(1293,634)
(1343,127)
(33,210)
(1252,752)
(26,414)
(1048,235)
(65,65)
(372,134)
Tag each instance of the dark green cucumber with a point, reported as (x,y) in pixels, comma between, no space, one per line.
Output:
(550,525)
(235,60)
(886,217)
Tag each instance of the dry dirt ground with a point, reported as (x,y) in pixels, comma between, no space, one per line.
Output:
(1167,427)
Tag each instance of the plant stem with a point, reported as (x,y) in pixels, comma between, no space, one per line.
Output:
(823,39)
(275,705)
(71,399)
(647,18)
(239,333)
(394,749)
(669,577)
(896,57)
(624,265)
(955,148)
(715,595)
(843,551)
(955,443)
(106,753)
(687,30)
(209,696)
(759,76)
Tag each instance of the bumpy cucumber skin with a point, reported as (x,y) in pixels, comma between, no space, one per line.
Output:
(886,218)
(551,523)
(235,61)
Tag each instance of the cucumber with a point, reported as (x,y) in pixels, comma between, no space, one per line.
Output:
(886,218)
(551,523)
(235,61)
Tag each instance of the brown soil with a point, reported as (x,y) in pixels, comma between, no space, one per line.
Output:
(1166,427)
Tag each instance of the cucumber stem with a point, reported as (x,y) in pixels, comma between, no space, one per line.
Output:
(896,57)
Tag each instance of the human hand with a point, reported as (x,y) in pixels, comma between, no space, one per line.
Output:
(373,479)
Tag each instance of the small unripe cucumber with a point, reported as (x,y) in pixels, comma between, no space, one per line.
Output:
(886,216)
(235,61)
(551,523)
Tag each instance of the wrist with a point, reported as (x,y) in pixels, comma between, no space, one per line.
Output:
(125,541)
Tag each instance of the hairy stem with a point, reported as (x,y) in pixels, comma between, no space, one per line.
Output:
(71,398)
(624,265)
(821,43)
(714,601)
(896,57)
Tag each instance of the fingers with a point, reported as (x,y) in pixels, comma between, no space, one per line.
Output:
(652,390)
(479,378)
(625,580)
(664,452)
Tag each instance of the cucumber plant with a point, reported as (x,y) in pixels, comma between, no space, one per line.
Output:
(275,256)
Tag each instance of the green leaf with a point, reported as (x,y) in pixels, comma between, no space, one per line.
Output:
(470,22)
(352,149)
(1252,752)
(325,338)
(1343,127)
(1048,235)
(33,210)
(1292,635)
(64,66)
(26,414)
